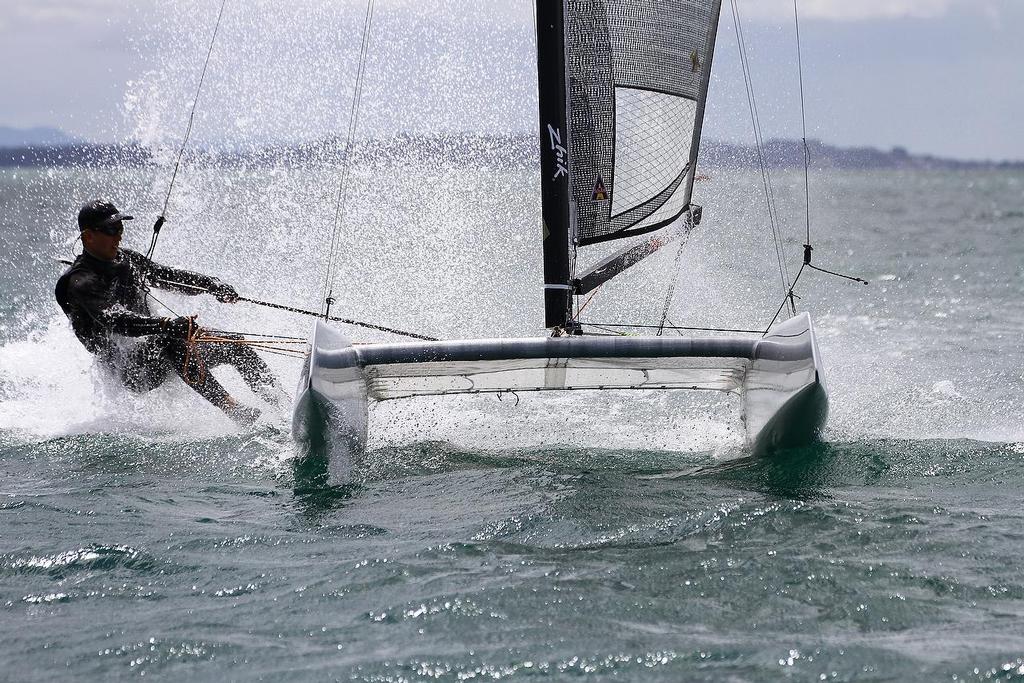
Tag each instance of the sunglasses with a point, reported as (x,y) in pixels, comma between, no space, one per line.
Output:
(115,229)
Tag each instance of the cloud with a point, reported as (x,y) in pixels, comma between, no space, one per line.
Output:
(876,9)
(57,12)
(862,10)
(46,11)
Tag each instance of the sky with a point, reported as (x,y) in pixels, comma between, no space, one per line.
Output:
(938,77)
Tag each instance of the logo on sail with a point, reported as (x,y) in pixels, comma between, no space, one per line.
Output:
(559,150)
(600,192)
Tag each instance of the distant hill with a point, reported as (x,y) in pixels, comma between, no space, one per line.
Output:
(789,154)
(34,137)
(472,148)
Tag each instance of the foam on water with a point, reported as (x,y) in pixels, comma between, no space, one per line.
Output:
(892,372)
(447,246)
(52,388)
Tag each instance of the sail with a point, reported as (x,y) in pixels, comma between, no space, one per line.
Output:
(622,86)
(637,76)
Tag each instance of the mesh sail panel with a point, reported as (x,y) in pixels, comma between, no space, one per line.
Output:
(638,73)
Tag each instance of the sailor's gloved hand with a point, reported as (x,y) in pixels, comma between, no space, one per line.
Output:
(224,292)
(181,327)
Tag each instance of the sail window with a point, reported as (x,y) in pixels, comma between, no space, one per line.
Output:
(653,134)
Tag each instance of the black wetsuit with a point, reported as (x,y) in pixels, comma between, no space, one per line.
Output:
(106,304)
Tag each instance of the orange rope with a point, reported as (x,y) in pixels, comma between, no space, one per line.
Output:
(190,345)
(587,302)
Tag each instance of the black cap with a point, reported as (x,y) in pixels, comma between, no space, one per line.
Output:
(99,214)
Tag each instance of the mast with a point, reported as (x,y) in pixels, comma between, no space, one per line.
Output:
(554,160)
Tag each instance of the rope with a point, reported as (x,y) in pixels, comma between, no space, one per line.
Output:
(203,337)
(171,310)
(198,335)
(342,195)
(261,341)
(587,302)
(672,324)
(191,354)
(188,132)
(227,333)
(268,343)
(790,295)
(244,342)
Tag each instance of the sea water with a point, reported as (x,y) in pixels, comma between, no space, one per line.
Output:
(586,536)
(591,536)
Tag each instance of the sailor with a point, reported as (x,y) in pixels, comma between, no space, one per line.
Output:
(104,295)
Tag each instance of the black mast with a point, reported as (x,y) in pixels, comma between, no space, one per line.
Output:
(554,160)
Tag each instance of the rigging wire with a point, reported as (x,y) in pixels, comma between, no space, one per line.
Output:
(612,332)
(789,296)
(766,182)
(188,133)
(671,288)
(674,326)
(803,122)
(293,309)
(342,194)
(610,326)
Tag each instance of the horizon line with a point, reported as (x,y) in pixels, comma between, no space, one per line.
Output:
(222,146)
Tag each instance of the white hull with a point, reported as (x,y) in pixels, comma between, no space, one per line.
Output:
(331,412)
(779,377)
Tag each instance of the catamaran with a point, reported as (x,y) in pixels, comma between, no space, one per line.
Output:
(622,90)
